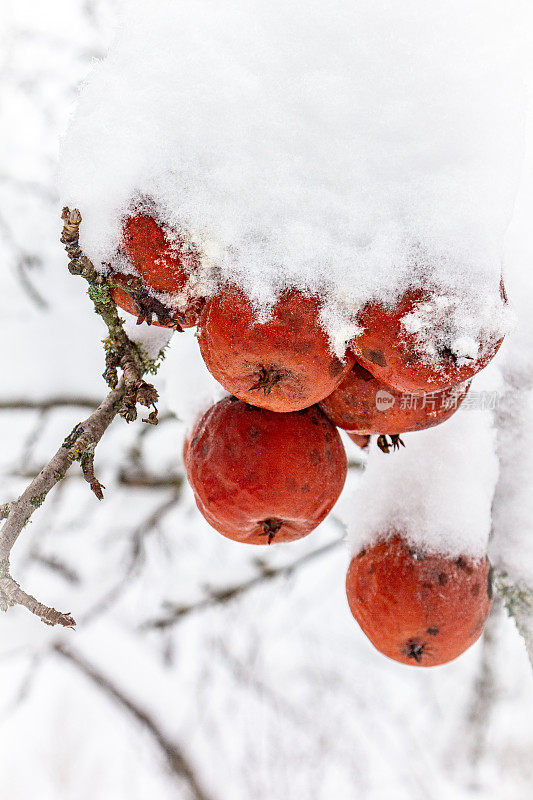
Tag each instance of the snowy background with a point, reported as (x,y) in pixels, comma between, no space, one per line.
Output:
(202,669)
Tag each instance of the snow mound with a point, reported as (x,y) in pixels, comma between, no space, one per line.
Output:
(437,492)
(319,146)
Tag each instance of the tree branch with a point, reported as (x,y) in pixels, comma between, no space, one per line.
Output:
(12,595)
(518,601)
(52,403)
(83,438)
(177,761)
(220,596)
(121,352)
(80,444)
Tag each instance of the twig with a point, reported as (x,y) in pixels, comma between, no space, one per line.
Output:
(220,596)
(24,260)
(25,686)
(142,480)
(12,595)
(53,563)
(137,539)
(81,440)
(24,263)
(86,460)
(176,759)
(121,352)
(32,438)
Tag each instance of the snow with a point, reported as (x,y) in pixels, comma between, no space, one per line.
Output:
(349,153)
(190,389)
(436,492)
(277,693)
(153,339)
(442,322)
(512,543)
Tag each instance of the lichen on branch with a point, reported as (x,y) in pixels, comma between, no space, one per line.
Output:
(121,352)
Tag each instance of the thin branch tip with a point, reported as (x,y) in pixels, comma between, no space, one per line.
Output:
(12,595)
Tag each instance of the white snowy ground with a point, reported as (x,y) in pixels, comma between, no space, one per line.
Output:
(275,693)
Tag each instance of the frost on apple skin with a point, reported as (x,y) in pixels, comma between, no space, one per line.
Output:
(445,324)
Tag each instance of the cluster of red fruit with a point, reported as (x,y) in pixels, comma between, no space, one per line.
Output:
(267,463)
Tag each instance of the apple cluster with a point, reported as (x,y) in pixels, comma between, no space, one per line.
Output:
(267,463)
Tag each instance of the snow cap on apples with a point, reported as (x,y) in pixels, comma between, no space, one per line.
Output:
(338,151)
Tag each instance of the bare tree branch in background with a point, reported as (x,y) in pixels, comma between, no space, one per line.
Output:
(56,565)
(21,404)
(475,739)
(140,479)
(136,550)
(24,261)
(220,596)
(177,761)
(134,475)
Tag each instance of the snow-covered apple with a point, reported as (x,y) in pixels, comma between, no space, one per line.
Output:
(165,264)
(417,607)
(410,347)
